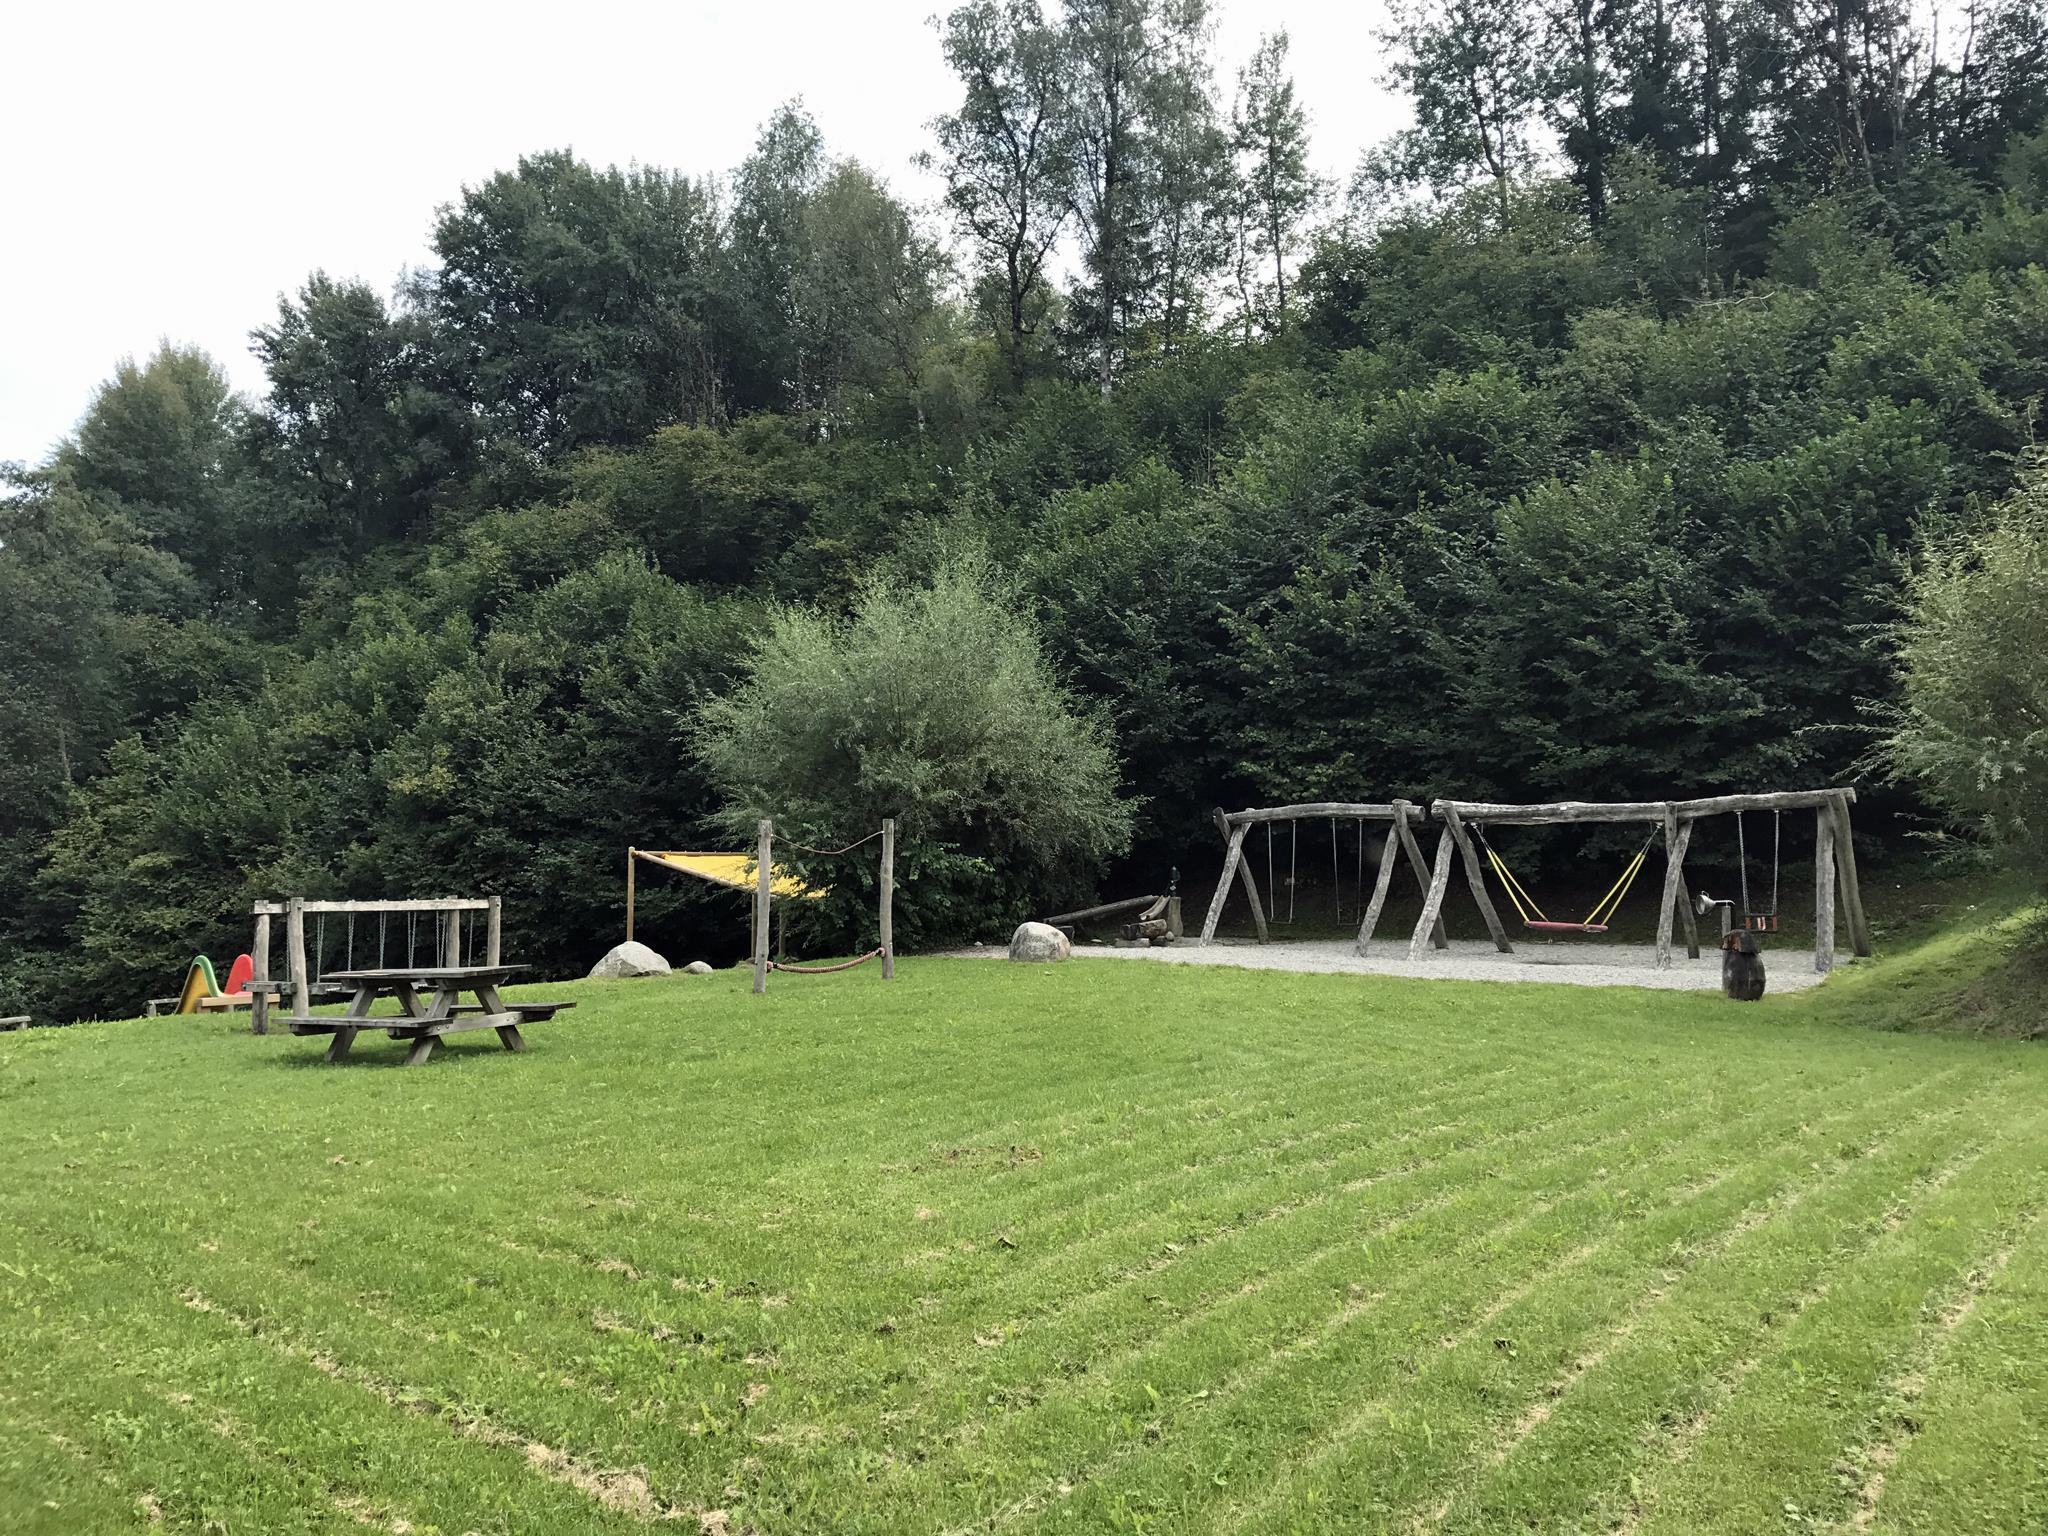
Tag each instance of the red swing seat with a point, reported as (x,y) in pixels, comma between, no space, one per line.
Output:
(1555,927)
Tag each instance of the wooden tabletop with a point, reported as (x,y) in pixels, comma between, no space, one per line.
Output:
(427,973)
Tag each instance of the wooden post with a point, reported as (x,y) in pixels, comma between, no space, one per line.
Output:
(1824,890)
(888,897)
(1689,917)
(259,970)
(781,927)
(1232,857)
(1475,874)
(1416,862)
(764,855)
(451,938)
(1677,835)
(1433,898)
(295,955)
(630,860)
(1852,886)
(1389,851)
(1244,875)
(493,931)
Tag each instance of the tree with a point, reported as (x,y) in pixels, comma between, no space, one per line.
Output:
(1120,57)
(933,704)
(353,420)
(763,344)
(1970,729)
(1470,68)
(1005,153)
(569,303)
(1276,189)
(868,296)
(1189,194)
(162,442)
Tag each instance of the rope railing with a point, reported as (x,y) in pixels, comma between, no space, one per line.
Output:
(822,970)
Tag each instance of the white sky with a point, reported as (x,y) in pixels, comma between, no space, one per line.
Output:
(167,170)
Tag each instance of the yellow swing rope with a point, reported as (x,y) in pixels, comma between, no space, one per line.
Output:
(1603,909)
(1608,905)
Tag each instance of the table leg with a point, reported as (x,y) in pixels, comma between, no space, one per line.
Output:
(422,1048)
(510,1038)
(337,1047)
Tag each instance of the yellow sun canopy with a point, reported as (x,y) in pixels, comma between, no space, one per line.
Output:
(737,870)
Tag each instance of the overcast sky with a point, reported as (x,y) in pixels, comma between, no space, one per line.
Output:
(168,170)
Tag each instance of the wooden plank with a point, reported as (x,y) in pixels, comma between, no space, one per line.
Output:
(1851,883)
(1677,837)
(338,1047)
(1824,890)
(764,854)
(451,939)
(1433,897)
(510,1038)
(888,898)
(1404,829)
(1382,883)
(1231,858)
(1475,875)
(1549,812)
(433,975)
(494,932)
(422,1048)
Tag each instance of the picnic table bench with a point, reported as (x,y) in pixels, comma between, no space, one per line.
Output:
(430,1006)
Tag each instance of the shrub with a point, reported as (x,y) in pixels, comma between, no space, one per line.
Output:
(1971,727)
(934,704)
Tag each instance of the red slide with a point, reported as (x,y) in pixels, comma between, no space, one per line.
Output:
(239,974)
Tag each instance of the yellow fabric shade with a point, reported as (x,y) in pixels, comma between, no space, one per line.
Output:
(734,869)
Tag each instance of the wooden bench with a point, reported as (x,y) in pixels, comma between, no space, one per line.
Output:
(425,1019)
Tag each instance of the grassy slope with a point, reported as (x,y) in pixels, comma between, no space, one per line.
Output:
(1087,1248)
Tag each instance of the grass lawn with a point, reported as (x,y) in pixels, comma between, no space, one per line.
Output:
(995,1248)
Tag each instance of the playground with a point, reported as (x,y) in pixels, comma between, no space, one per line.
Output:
(1373,1253)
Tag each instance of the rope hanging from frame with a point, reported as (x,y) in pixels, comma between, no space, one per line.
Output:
(1533,916)
(823,970)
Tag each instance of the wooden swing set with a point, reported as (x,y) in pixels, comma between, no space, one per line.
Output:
(1465,824)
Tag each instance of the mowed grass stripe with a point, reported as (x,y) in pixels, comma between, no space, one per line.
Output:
(1974,1457)
(1271,1320)
(1808,1404)
(1604,1435)
(65,1486)
(1293,1440)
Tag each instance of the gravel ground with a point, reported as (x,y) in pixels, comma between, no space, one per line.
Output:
(1571,962)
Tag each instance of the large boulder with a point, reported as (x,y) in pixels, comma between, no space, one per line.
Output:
(630,959)
(1039,942)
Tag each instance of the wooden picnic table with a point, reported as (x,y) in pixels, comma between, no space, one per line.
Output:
(430,1006)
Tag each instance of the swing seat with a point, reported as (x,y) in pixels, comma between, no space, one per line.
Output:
(1547,926)
(1760,922)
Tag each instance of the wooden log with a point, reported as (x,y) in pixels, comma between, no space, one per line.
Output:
(1433,896)
(764,854)
(1107,909)
(631,860)
(1824,890)
(1404,829)
(259,971)
(888,898)
(1369,811)
(1147,928)
(1475,875)
(1232,857)
(1550,812)
(295,955)
(1689,917)
(1382,883)
(1852,885)
(1173,922)
(1677,836)
(451,938)
(1244,875)
(494,932)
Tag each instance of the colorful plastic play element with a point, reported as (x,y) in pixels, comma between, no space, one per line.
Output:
(202,991)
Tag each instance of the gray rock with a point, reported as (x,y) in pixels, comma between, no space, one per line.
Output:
(631,959)
(696,968)
(1039,942)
